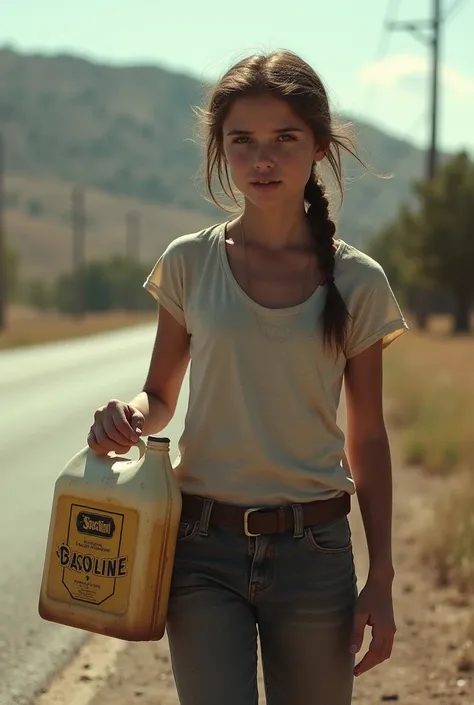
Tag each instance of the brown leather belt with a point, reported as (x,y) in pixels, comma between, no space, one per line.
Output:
(267,520)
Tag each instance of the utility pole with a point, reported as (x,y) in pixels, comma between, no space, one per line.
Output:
(132,241)
(433,153)
(78,248)
(3,247)
(428,32)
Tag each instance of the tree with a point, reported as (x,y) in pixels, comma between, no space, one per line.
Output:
(444,246)
(428,251)
(395,248)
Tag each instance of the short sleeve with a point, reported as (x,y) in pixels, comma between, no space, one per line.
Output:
(165,283)
(376,315)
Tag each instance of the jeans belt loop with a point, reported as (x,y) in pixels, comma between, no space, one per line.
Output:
(298,521)
(207,506)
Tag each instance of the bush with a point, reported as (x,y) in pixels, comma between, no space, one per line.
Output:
(35,207)
(105,286)
(39,295)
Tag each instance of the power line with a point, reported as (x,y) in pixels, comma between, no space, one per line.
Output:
(455,8)
(416,124)
(391,14)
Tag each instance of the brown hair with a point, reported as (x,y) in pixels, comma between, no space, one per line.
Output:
(285,75)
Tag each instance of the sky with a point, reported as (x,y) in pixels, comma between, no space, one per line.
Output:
(378,76)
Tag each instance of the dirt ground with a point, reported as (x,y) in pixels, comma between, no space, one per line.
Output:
(429,663)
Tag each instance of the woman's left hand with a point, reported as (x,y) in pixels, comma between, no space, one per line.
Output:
(374,608)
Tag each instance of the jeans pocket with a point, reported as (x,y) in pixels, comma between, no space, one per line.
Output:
(331,538)
(187,530)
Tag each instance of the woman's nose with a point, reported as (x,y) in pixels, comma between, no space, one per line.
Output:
(263,158)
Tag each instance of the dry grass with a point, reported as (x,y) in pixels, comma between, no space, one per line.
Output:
(448,540)
(431,384)
(27,327)
(431,380)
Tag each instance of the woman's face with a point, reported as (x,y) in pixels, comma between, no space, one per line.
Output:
(269,150)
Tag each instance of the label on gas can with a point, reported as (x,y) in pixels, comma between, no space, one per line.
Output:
(93,551)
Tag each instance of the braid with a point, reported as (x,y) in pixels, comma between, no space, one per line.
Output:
(335,313)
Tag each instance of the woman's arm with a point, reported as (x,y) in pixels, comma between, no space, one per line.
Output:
(118,425)
(369,456)
(169,360)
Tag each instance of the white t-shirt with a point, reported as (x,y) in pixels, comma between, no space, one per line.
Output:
(261,424)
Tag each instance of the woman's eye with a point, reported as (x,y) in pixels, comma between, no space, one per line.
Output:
(281,138)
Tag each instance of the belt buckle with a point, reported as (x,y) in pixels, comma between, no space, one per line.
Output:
(246,520)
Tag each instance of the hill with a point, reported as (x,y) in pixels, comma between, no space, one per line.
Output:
(128,131)
(38,225)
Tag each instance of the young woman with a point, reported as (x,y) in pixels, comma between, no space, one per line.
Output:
(274,314)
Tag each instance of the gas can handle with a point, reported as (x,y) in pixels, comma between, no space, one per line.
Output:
(141,445)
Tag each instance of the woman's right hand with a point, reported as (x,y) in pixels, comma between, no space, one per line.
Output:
(117,427)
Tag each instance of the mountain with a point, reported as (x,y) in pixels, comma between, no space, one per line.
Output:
(130,132)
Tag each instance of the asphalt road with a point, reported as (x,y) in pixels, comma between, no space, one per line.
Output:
(48,395)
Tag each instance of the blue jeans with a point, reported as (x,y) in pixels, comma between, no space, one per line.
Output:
(297,589)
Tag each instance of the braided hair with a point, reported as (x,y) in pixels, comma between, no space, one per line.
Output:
(335,314)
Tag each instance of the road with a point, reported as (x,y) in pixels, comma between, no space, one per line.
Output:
(48,396)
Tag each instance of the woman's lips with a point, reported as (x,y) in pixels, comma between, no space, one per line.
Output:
(264,185)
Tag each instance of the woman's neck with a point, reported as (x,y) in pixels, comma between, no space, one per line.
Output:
(276,228)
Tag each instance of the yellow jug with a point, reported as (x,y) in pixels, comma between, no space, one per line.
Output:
(111,543)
